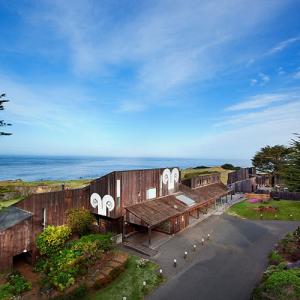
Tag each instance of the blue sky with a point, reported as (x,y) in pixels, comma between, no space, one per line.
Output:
(208,79)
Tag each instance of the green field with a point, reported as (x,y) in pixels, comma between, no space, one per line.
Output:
(187,173)
(130,283)
(73,183)
(12,191)
(286,208)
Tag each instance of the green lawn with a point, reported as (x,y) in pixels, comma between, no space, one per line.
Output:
(130,283)
(286,208)
(17,190)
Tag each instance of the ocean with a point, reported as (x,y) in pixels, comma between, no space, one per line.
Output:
(31,168)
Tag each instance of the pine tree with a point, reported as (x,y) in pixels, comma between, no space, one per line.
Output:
(291,172)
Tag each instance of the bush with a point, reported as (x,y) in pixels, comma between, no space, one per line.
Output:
(80,220)
(228,167)
(104,241)
(275,258)
(17,284)
(52,239)
(283,284)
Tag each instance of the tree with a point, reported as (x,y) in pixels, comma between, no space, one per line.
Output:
(271,159)
(291,173)
(230,167)
(80,220)
(2,123)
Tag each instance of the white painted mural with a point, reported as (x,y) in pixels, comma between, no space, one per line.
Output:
(103,204)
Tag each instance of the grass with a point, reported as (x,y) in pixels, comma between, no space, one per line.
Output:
(130,283)
(73,183)
(17,190)
(285,209)
(7,203)
(203,171)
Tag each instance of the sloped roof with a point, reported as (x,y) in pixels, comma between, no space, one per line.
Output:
(156,211)
(10,216)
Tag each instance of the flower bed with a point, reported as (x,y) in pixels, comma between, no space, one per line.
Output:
(266,209)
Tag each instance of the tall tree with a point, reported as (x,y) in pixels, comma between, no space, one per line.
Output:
(291,173)
(2,123)
(271,159)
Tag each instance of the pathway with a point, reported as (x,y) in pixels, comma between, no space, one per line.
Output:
(228,265)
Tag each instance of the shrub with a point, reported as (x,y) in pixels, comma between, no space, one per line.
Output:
(284,283)
(18,284)
(80,220)
(5,291)
(52,239)
(104,241)
(275,258)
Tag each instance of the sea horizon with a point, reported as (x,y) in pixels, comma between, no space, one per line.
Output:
(62,167)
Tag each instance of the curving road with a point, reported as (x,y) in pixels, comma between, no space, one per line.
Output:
(227,267)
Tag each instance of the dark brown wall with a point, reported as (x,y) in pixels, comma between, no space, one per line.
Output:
(13,241)
(134,184)
(202,180)
(56,205)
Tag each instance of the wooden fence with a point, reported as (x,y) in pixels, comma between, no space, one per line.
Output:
(286,195)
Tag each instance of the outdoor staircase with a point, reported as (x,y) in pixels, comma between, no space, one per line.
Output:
(140,248)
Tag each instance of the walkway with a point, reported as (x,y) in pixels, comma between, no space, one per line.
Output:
(228,265)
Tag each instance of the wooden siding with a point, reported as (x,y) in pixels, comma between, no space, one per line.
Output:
(286,195)
(202,180)
(13,241)
(245,186)
(241,174)
(133,188)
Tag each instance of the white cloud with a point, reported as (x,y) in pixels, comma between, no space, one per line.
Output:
(262,100)
(170,43)
(297,75)
(284,44)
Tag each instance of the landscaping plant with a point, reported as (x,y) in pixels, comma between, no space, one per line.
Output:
(80,220)
(52,239)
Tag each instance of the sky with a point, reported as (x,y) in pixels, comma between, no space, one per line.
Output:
(199,79)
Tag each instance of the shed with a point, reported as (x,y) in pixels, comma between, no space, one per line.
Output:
(16,238)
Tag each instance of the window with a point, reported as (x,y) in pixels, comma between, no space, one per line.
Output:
(44,217)
(118,193)
(151,193)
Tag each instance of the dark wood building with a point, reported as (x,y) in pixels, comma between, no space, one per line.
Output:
(122,202)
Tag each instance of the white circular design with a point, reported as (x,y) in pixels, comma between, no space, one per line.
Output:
(175,174)
(166,176)
(95,200)
(109,202)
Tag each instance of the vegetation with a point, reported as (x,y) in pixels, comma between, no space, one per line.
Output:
(271,160)
(52,239)
(2,123)
(13,191)
(130,283)
(283,210)
(63,262)
(281,281)
(16,284)
(188,173)
(291,172)
(80,220)
(230,167)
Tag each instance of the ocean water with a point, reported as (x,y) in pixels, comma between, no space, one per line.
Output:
(32,168)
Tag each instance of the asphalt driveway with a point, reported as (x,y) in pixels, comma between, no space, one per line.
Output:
(228,265)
